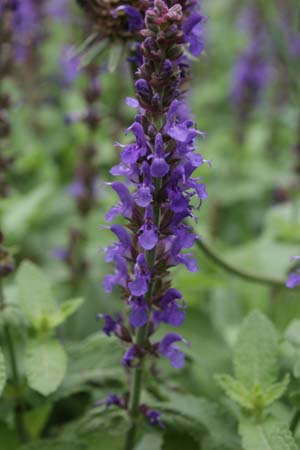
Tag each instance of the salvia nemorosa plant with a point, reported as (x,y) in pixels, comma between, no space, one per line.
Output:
(252,70)
(159,194)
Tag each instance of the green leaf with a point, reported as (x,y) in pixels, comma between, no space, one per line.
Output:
(36,419)
(96,358)
(196,413)
(236,391)
(45,365)
(275,391)
(67,309)
(37,300)
(151,441)
(23,211)
(35,295)
(269,435)
(115,56)
(256,352)
(256,398)
(2,371)
(292,333)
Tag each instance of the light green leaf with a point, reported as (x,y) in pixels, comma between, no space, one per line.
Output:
(269,435)
(24,211)
(151,441)
(34,291)
(96,358)
(275,391)
(292,333)
(2,372)
(256,352)
(236,391)
(45,365)
(115,56)
(67,309)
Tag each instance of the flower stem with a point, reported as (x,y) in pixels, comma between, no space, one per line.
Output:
(19,406)
(253,277)
(135,393)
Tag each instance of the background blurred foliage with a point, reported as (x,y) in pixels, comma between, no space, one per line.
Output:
(251,219)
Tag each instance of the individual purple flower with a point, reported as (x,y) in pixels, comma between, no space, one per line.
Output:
(170,311)
(171,351)
(293,280)
(148,232)
(125,206)
(138,316)
(129,356)
(135,18)
(122,247)
(159,166)
(110,324)
(143,196)
(111,400)
(139,285)
(193,31)
(119,277)
(154,418)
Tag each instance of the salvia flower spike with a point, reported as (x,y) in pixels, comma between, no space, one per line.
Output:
(158,194)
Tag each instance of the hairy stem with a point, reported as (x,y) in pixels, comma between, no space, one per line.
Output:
(253,277)
(19,406)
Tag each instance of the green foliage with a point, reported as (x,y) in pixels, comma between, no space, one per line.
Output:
(256,366)
(256,351)
(45,365)
(268,435)
(2,371)
(94,360)
(151,441)
(37,300)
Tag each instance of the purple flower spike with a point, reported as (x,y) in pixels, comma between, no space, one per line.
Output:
(172,352)
(159,192)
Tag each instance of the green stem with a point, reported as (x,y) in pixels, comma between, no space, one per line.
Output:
(253,277)
(19,406)
(135,394)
